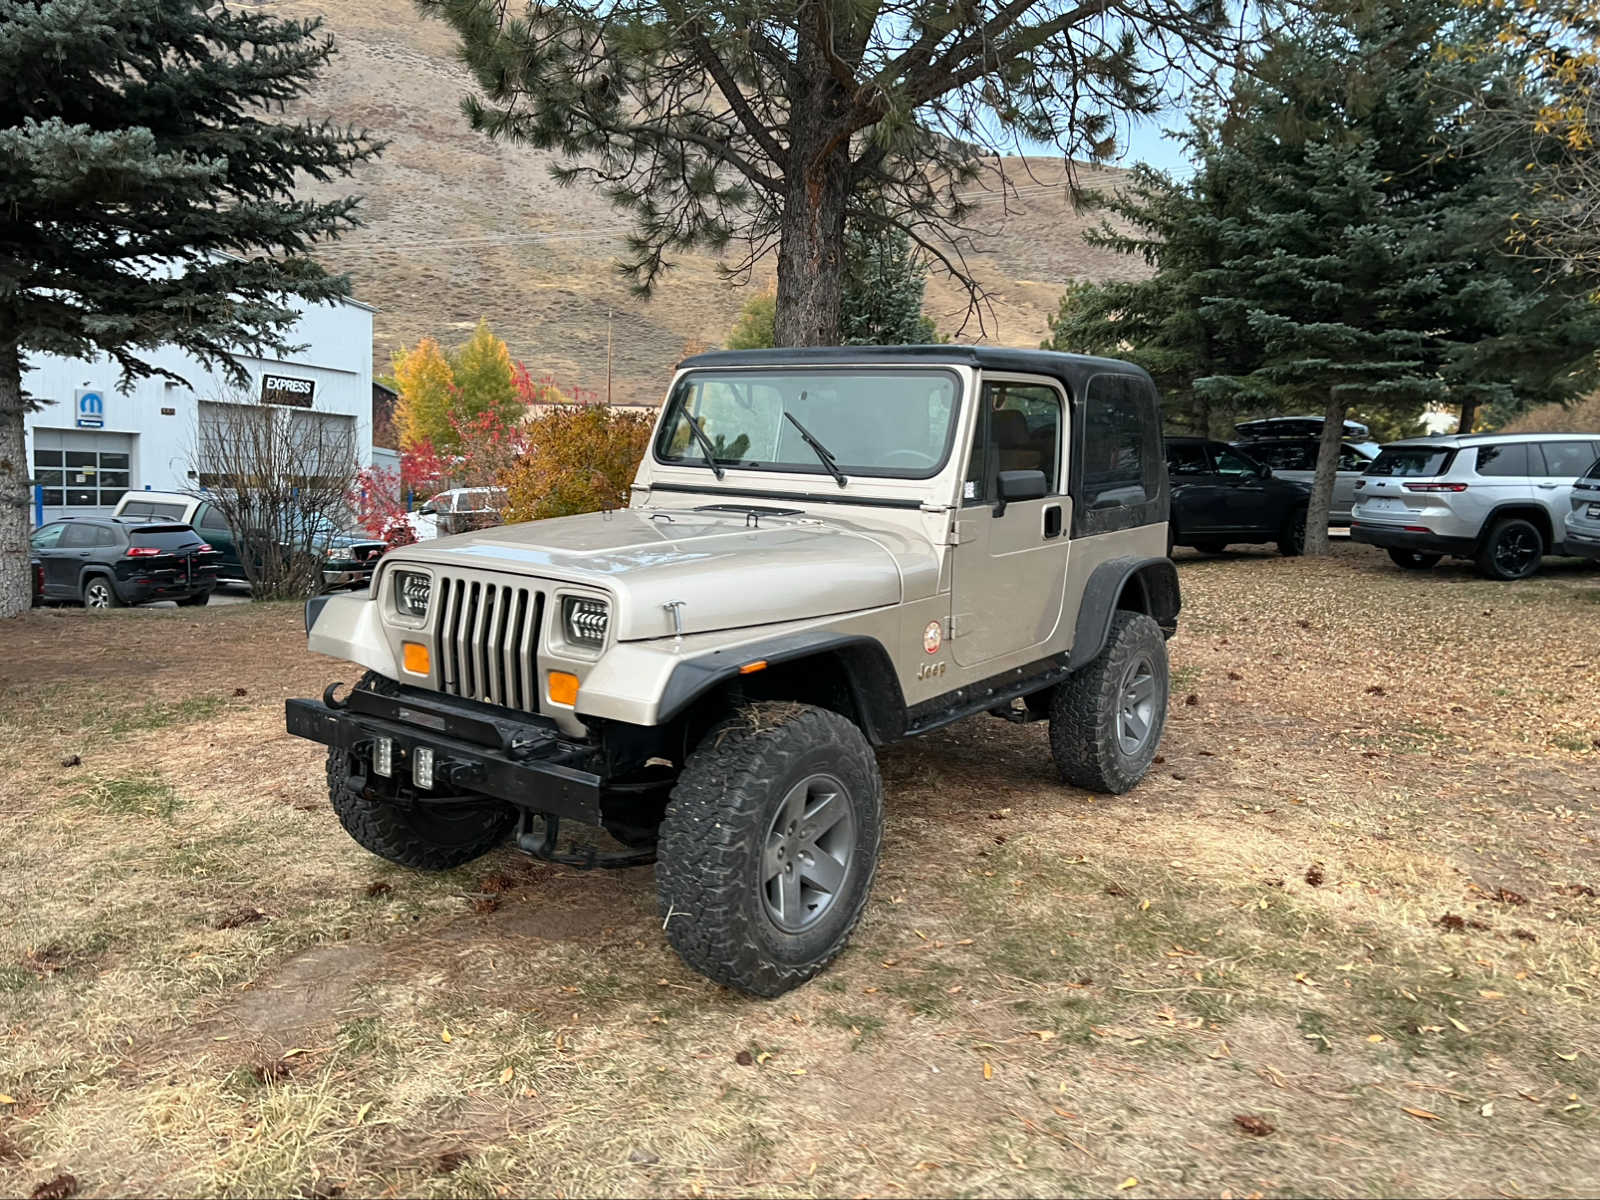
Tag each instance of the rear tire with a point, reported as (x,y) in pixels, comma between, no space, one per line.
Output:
(426,838)
(1106,718)
(1292,540)
(1512,550)
(99,592)
(1414,560)
(745,894)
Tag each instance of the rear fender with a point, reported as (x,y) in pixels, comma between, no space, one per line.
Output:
(1147,585)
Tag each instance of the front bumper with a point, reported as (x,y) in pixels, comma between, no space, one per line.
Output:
(1391,537)
(477,752)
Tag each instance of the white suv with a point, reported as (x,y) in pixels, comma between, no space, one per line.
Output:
(1498,499)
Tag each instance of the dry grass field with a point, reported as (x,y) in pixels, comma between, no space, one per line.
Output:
(459,227)
(1344,940)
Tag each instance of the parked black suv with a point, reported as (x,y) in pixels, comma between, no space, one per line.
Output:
(1220,495)
(106,562)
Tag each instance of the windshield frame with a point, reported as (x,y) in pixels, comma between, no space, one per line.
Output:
(694,461)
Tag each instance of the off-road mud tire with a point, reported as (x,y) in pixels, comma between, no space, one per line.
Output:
(1084,737)
(709,861)
(426,838)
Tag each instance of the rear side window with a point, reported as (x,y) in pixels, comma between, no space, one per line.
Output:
(1187,458)
(1286,456)
(1508,458)
(165,537)
(1120,475)
(1410,461)
(211,518)
(1567,459)
(1351,459)
(79,535)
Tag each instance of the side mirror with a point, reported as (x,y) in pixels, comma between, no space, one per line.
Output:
(427,510)
(1020,485)
(1263,470)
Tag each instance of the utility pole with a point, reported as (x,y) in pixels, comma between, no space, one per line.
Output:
(608,357)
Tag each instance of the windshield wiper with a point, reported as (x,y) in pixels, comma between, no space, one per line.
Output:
(819,448)
(706,448)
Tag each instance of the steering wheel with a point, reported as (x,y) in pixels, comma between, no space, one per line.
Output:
(919,458)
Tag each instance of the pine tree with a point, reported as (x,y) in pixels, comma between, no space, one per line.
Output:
(883,288)
(146,197)
(774,124)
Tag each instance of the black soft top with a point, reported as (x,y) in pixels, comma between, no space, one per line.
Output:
(1071,369)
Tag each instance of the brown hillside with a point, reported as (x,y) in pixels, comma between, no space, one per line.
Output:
(1582,417)
(459,227)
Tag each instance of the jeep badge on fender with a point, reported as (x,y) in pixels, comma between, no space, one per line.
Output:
(827,550)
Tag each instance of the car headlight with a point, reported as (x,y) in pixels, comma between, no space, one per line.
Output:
(585,621)
(412,592)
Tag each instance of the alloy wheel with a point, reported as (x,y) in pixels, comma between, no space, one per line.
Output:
(1516,551)
(809,849)
(97,594)
(1136,708)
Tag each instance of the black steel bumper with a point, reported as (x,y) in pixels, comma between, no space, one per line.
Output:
(524,762)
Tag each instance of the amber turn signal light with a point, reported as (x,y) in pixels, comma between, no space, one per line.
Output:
(563,688)
(415,658)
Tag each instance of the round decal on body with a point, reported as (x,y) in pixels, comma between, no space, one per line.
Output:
(932,637)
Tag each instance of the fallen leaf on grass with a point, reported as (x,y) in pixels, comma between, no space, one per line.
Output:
(988,1071)
(1524,935)
(745,1059)
(5,1099)
(1376,690)
(1458,1025)
(1421,1114)
(452,1160)
(272,1072)
(1567,1057)
(1374,1038)
(1253,1125)
(378,887)
(238,917)
(72,760)
(1191,700)
(1132,1181)
(1506,896)
(1487,1110)
(508,1074)
(1044,1035)
(444,1036)
(60,1188)
(1314,875)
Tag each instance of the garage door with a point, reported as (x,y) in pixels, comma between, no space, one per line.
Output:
(80,473)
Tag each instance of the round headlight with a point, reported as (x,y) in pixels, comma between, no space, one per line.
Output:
(412,592)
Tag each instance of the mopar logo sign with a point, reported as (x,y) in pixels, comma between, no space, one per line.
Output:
(286,389)
(91,409)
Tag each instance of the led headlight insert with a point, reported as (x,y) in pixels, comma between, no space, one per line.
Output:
(412,591)
(585,621)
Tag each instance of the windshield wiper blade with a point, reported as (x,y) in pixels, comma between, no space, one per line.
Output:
(819,448)
(706,448)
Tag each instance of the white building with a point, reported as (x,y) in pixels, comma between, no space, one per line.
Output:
(90,442)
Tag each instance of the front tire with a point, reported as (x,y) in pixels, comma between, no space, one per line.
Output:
(769,846)
(1512,551)
(1414,560)
(1106,718)
(427,837)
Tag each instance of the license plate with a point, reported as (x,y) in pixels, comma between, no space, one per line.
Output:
(1383,503)
(1594,512)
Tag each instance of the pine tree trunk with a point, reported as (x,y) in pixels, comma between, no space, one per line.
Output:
(1469,416)
(811,250)
(16,588)
(1322,482)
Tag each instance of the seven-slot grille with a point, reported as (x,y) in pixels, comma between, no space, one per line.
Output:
(487,635)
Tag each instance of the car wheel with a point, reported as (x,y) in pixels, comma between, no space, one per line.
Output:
(769,846)
(426,837)
(1292,540)
(1210,546)
(98,593)
(1511,551)
(1414,560)
(1106,718)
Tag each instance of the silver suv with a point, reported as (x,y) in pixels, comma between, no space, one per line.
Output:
(1583,522)
(826,550)
(1500,500)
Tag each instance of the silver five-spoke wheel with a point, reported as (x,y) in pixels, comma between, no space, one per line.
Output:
(1136,711)
(808,852)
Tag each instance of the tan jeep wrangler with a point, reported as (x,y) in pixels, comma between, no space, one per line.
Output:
(826,551)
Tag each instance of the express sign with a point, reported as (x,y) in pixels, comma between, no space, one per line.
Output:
(286,389)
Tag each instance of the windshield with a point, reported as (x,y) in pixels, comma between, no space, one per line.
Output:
(896,423)
(1409,460)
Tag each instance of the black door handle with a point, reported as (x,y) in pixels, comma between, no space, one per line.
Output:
(1052,521)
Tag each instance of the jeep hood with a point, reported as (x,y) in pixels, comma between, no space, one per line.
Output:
(727,570)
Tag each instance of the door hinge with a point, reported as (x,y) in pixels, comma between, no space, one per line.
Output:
(956,626)
(962,531)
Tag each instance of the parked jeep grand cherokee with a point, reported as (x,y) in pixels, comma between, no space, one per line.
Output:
(1499,499)
(826,551)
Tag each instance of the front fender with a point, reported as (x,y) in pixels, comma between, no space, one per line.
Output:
(347,627)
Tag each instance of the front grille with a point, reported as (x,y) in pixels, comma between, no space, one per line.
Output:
(487,635)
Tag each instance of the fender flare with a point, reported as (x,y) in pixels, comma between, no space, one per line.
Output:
(1158,594)
(867,667)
